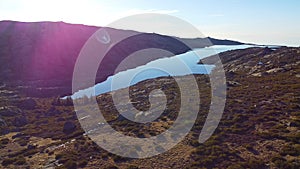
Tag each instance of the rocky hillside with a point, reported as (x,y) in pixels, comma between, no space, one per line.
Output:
(260,127)
(259,61)
(42,54)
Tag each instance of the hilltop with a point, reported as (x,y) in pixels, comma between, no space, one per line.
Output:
(43,54)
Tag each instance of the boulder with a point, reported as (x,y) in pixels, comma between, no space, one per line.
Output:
(274,70)
(257,74)
(233,84)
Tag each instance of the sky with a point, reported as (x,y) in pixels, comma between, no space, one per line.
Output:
(269,22)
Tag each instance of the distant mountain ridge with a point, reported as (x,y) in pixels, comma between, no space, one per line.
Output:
(43,54)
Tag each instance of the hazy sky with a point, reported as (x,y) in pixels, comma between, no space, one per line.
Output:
(255,21)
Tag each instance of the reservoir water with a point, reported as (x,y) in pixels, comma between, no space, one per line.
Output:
(158,68)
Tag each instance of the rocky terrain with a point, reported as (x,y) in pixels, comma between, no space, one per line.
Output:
(260,127)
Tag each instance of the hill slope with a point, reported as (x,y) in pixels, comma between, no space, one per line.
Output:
(42,54)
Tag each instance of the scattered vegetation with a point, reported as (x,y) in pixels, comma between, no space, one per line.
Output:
(259,127)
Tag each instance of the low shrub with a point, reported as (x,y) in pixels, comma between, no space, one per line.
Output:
(70,164)
(8,161)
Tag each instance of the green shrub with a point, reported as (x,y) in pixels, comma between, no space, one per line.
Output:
(20,161)
(293,150)
(112,167)
(70,164)
(82,163)
(8,161)
(132,167)
(249,147)
(58,156)
(252,163)
(195,143)
(235,166)
(4,141)
(117,158)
